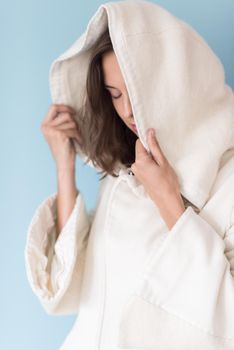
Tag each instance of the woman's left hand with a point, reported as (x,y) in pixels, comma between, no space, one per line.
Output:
(159,180)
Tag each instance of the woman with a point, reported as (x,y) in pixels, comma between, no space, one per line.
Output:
(152,266)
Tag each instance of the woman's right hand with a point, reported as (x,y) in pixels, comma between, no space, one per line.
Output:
(58,127)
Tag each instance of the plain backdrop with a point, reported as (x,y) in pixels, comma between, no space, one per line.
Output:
(33,33)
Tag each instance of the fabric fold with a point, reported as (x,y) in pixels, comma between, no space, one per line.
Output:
(55,267)
(190,275)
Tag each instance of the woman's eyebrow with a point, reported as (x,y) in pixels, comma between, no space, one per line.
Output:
(111,87)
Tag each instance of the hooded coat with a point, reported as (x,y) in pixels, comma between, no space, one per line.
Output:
(132,283)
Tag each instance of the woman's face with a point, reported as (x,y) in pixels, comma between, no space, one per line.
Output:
(114,83)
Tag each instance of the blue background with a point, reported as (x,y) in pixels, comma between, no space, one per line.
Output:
(32,35)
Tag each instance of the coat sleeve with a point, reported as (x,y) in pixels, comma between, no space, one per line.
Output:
(55,267)
(186,295)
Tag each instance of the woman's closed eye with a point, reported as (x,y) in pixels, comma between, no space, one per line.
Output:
(116,97)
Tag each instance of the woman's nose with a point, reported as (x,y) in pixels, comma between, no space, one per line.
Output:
(127,108)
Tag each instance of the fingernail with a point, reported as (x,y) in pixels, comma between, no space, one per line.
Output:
(152,132)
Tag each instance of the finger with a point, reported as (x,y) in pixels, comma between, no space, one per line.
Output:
(55,109)
(72,134)
(62,118)
(133,168)
(155,149)
(140,150)
(66,125)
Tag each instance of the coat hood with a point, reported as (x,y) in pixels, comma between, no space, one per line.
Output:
(176,84)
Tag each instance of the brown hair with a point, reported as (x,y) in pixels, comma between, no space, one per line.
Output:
(106,139)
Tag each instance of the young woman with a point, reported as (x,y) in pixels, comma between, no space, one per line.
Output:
(152,266)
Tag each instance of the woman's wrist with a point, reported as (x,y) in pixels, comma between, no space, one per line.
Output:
(171,210)
(66,180)
(67,193)
(67,168)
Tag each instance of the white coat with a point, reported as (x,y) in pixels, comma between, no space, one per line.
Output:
(133,283)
